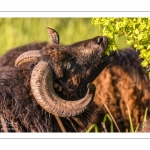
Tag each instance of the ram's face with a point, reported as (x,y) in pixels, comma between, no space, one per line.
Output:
(78,64)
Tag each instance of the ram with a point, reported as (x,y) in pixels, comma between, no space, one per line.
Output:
(123,83)
(52,83)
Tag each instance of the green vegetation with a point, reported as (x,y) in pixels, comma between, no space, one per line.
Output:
(93,126)
(107,116)
(19,31)
(110,118)
(134,31)
(130,120)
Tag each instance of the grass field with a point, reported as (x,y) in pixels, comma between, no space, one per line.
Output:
(19,31)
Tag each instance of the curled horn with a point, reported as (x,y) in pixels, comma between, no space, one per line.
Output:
(42,89)
(33,55)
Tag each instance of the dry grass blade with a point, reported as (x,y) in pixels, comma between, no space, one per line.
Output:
(104,127)
(4,126)
(111,117)
(60,124)
(145,115)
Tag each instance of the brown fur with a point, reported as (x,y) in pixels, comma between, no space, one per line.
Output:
(20,109)
(123,82)
(17,103)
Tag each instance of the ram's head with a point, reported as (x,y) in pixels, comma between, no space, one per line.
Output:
(61,79)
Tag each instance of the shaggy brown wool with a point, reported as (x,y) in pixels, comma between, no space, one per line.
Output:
(124,82)
(21,111)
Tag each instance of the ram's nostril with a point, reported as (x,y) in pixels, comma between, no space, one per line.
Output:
(100,40)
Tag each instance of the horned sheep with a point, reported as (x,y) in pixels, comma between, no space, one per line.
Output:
(52,83)
(121,85)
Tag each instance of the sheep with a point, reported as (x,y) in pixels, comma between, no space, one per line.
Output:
(53,81)
(122,82)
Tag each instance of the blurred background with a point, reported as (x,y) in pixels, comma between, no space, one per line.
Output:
(19,31)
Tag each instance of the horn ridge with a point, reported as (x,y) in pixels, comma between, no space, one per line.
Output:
(26,57)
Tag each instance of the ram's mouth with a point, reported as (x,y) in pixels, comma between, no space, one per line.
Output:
(103,62)
(105,41)
(107,59)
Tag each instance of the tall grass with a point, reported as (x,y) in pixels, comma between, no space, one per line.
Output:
(93,126)
(111,119)
(107,116)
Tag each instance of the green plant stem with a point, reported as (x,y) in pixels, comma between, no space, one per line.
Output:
(91,127)
(137,128)
(111,122)
(111,117)
(130,120)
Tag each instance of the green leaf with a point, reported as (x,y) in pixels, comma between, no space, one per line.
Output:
(148,47)
(144,63)
(136,31)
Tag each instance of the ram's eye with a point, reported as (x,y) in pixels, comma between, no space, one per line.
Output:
(67,65)
(99,40)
